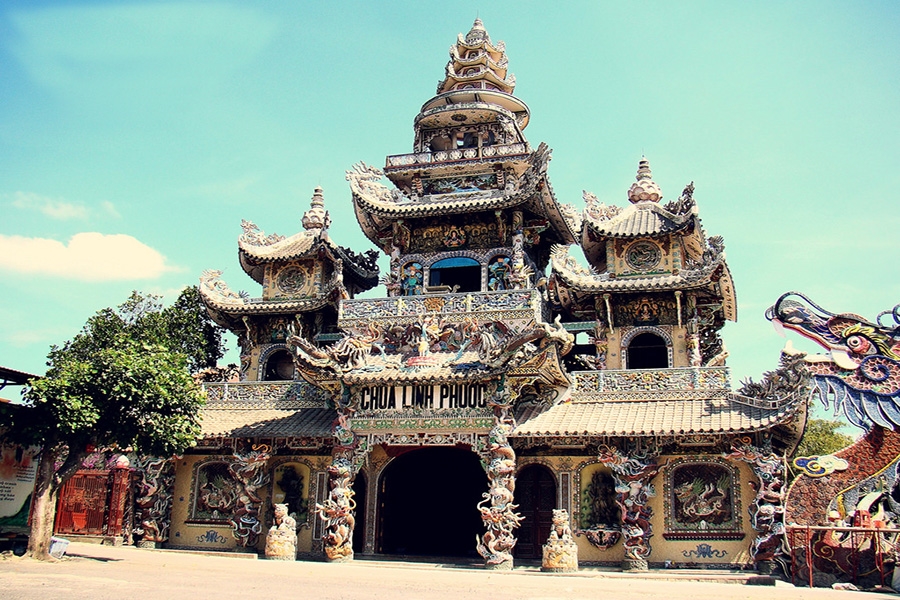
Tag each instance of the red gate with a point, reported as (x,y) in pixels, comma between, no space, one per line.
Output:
(93,502)
(847,553)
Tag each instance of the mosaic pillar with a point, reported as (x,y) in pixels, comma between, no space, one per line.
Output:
(767,509)
(633,492)
(249,470)
(497,508)
(337,511)
(371,507)
(153,500)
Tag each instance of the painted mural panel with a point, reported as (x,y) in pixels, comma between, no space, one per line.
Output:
(702,502)
(215,493)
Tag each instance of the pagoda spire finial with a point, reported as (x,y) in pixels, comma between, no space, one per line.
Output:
(316,217)
(477,33)
(644,189)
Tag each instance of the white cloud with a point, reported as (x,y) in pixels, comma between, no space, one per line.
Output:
(55,208)
(110,209)
(87,257)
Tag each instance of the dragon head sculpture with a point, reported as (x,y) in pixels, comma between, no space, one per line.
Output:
(861,373)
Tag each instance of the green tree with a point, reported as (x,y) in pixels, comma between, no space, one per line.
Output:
(822,437)
(184,327)
(123,383)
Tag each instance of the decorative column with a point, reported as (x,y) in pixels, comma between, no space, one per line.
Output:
(153,499)
(497,508)
(767,509)
(337,511)
(633,491)
(249,470)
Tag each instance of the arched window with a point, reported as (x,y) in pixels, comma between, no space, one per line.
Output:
(647,351)
(279,366)
(459,273)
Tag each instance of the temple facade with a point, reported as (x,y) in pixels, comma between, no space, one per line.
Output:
(525,356)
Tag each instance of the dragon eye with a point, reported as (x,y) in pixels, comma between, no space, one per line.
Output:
(857,343)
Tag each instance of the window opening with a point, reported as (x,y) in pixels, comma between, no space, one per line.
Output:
(459,274)
(648,351)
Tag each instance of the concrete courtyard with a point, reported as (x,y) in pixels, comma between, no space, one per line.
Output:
(113,573)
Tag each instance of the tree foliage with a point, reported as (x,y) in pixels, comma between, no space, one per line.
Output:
(123,383)
(184,327)
(822,437)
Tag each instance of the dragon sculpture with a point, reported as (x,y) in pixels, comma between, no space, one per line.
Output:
(153,499)
(249,470)
(860,377)
(337,512)
(632,474)
(497,509)
(767,509)
(862,374)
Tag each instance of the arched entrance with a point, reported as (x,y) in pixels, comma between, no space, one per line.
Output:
(427,503)
(536,497)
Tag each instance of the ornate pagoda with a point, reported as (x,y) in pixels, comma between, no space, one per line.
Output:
(526,357)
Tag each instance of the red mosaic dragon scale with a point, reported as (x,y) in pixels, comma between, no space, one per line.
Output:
(861,374)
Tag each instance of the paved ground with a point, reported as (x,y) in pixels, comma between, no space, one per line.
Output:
(116,573)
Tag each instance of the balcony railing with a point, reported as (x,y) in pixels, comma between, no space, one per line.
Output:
(481,305)
(253,395)
(646,383)
(443,156)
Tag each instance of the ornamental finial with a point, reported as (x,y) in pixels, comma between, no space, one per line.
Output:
(645,189)
(316,217)
(477,33)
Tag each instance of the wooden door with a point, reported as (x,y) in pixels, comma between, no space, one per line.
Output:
(536,497)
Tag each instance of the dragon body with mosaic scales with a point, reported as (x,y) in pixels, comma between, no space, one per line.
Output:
(860,378)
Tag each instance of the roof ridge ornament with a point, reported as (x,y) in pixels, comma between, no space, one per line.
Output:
(644,189)
(316,217)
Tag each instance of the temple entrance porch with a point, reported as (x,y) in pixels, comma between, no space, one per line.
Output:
(427,501)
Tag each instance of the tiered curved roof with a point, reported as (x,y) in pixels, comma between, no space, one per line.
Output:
(475,50)
(703,264)
(353,272)
(377,206)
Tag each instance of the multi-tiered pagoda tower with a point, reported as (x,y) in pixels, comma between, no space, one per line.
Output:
(527,357)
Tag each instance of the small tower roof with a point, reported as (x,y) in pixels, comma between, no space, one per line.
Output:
(644,189)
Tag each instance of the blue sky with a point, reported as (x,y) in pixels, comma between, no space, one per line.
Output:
(135,136)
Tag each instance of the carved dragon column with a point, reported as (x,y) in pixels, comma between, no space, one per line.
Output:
(633,474)
(249,470)
(153,499)
(497,508)
(338,509)
(767,510)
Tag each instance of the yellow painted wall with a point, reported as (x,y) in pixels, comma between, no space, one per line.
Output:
(734,552)
(218,536)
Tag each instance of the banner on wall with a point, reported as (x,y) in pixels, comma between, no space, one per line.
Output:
(18,469)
